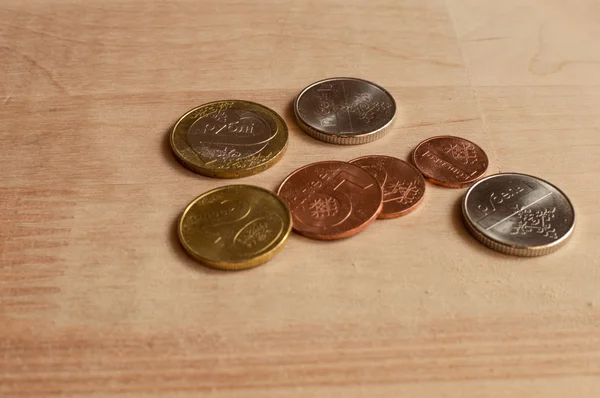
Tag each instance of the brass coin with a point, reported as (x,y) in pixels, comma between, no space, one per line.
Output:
(345,110)
(229,139)
(235,227)
(518,214)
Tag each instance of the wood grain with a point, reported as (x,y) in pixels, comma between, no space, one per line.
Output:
(98,299)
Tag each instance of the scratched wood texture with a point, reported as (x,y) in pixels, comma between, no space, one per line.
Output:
(97,298)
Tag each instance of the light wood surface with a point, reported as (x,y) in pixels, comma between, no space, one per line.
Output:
(98,299)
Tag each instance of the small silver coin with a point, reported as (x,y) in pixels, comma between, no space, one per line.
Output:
(345,110)
(518,214)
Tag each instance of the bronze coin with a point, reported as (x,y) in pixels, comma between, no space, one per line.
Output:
(402,185)
(331,200)
(451,162)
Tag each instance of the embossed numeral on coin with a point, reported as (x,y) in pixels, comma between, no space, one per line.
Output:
(403,186)
(331,203)
(230,224)
(216,221)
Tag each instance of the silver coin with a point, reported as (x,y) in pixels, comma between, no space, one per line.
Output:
(345,110)
(518,214)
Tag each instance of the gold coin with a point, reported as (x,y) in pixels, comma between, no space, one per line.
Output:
(235,227)
(229,139)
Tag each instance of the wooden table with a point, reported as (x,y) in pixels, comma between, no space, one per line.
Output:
(98,299)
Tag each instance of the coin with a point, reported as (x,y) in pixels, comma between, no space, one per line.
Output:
(452,162)
(345,110)
(229,139)
(331,200)
(402,185)
(518,214)
(235,227)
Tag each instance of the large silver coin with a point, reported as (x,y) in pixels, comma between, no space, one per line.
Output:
(345,110)
(518,214)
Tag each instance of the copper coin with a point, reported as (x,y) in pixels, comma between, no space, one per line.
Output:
(402,185)
(331,200)
(451,162)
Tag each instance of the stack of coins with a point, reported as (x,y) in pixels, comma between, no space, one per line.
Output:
(242,226)
(333,199)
